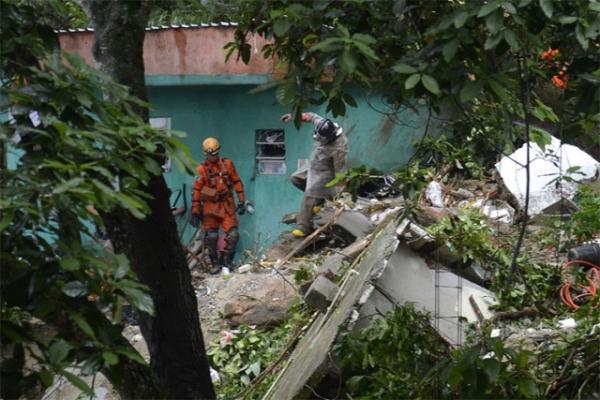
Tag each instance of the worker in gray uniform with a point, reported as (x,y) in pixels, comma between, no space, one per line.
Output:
(328,158)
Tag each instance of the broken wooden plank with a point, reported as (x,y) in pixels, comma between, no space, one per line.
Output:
(307,240)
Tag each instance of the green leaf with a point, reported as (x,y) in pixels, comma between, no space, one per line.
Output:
(245,379)
(82,324)
(450,48)
(404,69)
(58,351)
(110,358)
(430,84)
(460,19)
(509,7)
(327,45)
(132,355)
(135,207)
(69,263)
(74,289)
(347,60)
(511,38)
(366,50)
(568,20)
(594,6)
(46,377)
(579,34)
(412,81)
(494,22)
(488,8)
(350,100)
(122,267)
(254,368)
(140,300)
(367,39)
(281,26)
(77,382)
(492,41)
(528,388)
(522,360)
(71,183)
(470,91)
(491,367)
(6,219)
(152,166)
(498,90)
(547,7)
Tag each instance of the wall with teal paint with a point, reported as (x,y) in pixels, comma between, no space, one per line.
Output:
(231,114)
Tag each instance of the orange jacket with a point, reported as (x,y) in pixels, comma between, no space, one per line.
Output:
(213,188)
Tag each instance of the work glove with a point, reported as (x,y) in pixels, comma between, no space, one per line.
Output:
(196,220)
(249,206)
(241,208)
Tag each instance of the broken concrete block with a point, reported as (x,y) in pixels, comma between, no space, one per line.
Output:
(557,160)
(353,223)
(321,293)
(331,265)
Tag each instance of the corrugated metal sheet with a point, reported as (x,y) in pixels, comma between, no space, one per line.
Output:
(173,26)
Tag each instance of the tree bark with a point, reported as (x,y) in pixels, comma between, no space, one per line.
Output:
(152,245)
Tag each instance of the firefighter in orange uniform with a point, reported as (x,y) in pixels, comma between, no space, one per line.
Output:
(213,203)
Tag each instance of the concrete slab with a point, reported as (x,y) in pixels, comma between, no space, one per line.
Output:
(408,278)
(309,359)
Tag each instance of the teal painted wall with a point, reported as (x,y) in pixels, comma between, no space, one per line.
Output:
(231,114)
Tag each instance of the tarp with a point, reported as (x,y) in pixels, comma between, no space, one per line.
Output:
(555,173)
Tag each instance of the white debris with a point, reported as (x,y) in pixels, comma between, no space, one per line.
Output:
(377,218)
(35,119)
(567,323)
(244,268)
(495,333)
(136,338)
(554,163)
(214,376)
(433,193)
(496,210)
(225,271)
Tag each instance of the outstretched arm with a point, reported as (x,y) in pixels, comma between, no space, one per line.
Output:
(306,117)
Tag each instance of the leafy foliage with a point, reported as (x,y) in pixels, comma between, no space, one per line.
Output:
(476,64)
(242,355)
(77,157)
(399,356)
(391,358)
(468,235)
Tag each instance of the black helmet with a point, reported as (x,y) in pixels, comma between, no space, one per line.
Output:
(327,130)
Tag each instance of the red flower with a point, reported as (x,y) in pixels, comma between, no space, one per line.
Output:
(558,82)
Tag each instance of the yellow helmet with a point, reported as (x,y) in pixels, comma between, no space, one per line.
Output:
(211,146)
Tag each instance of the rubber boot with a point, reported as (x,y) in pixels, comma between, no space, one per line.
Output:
(211,238)
(228,254)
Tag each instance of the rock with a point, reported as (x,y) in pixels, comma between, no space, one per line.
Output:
(321,293)
(263,304)
(255,312)
(462,193)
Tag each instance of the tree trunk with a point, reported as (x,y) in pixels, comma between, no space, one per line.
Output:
(152,245)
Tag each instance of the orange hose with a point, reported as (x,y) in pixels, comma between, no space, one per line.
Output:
(586,291)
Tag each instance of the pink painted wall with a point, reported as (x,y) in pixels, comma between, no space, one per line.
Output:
(182,51)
